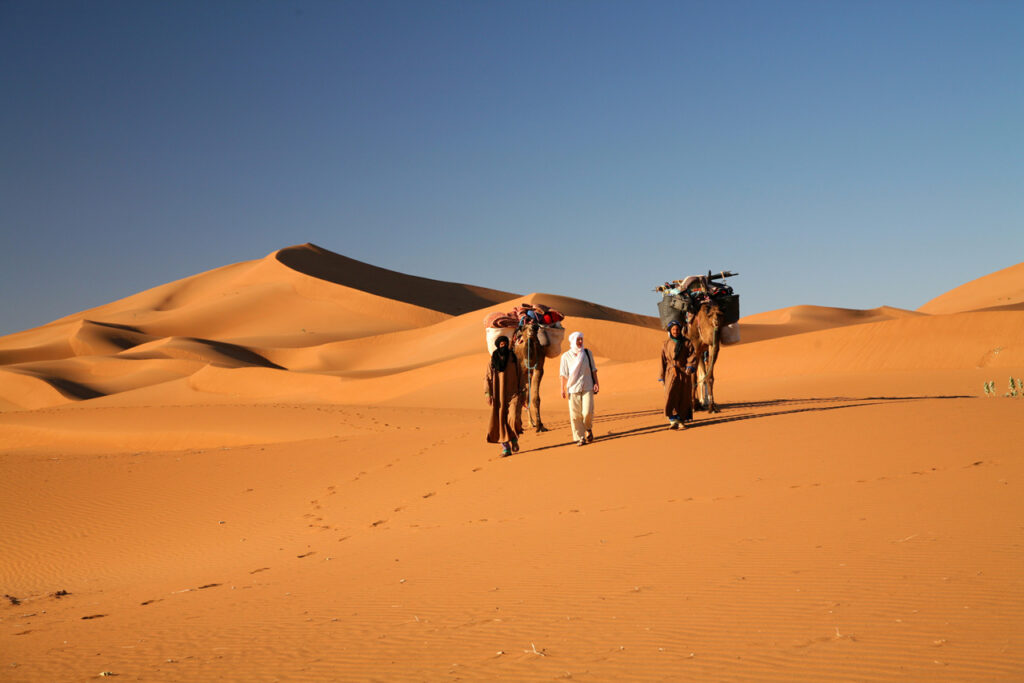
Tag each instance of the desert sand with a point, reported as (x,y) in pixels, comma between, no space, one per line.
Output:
(276,470)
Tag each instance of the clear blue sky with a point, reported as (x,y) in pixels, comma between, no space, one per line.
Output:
(838,153)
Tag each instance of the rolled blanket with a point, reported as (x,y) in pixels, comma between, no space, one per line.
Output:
(491,317)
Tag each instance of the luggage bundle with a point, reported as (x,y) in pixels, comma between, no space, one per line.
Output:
(549,334)
(682,297)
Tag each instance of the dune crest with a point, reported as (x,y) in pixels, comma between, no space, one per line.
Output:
(1003,288)
(444,297)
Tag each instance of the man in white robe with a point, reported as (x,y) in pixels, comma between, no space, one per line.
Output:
(578,375)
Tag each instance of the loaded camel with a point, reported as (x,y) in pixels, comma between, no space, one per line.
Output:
(530,354)
(704,332)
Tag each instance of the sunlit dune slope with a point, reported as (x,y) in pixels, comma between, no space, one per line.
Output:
(610,333)
(1003,288)
(801,319)
(411,367)
(958,341)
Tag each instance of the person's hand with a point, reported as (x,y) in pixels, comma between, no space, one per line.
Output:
(597,388)
(564,395)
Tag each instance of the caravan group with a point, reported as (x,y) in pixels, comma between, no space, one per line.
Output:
(698,313)
(523,338)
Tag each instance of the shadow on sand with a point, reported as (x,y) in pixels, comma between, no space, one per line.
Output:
(788,407)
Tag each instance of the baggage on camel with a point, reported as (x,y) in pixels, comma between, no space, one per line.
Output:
(681,297)
(550,332)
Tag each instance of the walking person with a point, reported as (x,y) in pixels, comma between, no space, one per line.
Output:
(678,363)
(503,382)
(578,375)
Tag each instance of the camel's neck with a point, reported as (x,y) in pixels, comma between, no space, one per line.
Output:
(707,329)
(531,345)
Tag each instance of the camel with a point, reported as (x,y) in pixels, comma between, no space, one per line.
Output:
(705,334)
(531,360)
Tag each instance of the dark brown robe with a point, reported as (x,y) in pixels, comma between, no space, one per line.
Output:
(678,387)
(503,387)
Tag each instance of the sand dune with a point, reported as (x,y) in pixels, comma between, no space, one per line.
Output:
(800,319)
(276,470)
(1002,288)
(964,340)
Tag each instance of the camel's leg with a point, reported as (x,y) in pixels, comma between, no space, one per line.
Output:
(709,379)
(538,375)
(700,387)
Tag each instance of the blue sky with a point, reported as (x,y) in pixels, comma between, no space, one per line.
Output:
(847,154)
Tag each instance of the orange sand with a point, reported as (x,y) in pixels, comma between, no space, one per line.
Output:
(276,471)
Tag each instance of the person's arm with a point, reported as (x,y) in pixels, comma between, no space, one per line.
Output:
(593,370)
(661,377)
(488,383)
(691,360)
(565,382)
(562,370)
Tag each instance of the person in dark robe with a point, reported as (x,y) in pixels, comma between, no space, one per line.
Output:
(678,364)
(503,383)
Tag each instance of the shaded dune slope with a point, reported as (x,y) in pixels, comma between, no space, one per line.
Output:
(444,297)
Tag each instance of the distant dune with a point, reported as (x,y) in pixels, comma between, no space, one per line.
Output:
(1001,289)
(801,319)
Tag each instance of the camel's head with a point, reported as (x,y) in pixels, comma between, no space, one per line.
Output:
(529,329)
(713,312)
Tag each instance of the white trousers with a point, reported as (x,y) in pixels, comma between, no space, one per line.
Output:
(581,414)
